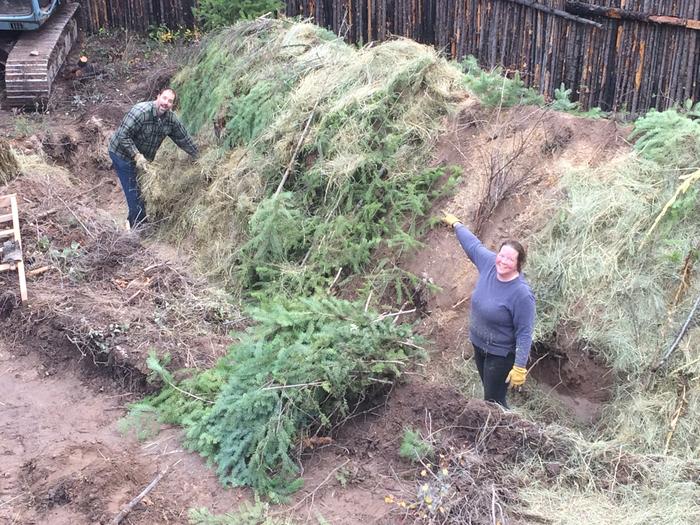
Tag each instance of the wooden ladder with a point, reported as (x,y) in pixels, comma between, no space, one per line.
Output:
(9,230)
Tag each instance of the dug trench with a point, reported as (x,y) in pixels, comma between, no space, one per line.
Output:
(76,355)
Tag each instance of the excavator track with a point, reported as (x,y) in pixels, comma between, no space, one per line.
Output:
(37,56)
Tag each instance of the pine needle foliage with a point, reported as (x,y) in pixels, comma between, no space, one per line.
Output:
(669,137)
(562,99)
(356,179)
(213,14)
(305,365)
(249,514)
(495,89)
(414,447)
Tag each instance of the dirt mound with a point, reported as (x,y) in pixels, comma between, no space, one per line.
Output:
(101,293)
(444,414)
(511,162)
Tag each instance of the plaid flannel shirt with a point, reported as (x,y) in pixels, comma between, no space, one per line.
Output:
(143,131)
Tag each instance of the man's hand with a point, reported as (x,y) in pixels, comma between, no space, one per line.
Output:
(517,376)
(140,162)
(450,219)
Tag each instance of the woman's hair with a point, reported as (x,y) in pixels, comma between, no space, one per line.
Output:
(522,255)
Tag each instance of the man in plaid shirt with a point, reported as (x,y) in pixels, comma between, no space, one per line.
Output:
(136,142)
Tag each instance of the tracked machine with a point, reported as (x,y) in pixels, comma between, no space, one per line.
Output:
(35,37)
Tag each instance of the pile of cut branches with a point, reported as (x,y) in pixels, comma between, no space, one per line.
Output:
(315,155)
(305,366)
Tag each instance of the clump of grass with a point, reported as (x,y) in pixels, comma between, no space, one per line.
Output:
(600,267)
(603,483)
(9,166)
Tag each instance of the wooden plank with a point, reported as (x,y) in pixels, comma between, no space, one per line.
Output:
(586,9)
(20,264)
(5,218)
(557,12)
(4,234)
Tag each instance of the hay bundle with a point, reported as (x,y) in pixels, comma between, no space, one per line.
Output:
(349,130)
(9,167)
(599,267)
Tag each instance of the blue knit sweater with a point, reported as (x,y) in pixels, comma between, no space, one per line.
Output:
(503,313)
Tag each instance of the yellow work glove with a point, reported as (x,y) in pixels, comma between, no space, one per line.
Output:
(516,377)
(450,219)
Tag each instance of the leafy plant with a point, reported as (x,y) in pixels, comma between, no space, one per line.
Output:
(43,243)
(414,447)
(167,35)
(66,259)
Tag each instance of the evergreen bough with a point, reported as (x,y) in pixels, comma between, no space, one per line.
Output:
(670,137)
(212,14)
(494,89)
(304,366)
(355,181)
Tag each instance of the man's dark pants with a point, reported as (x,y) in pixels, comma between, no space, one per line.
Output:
(493,371)
(126,171)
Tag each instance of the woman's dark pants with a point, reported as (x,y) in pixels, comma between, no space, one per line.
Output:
(493,371)
(126,171)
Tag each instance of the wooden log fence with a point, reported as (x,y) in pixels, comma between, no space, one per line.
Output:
(137,15)
(621,55)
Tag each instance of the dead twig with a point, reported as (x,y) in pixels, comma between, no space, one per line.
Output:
(90,234)
(296,150)
(462,301)
(678,339)
(674,422)
(337,276)
(44,214)
(130,506)
(38,271)
(395,314)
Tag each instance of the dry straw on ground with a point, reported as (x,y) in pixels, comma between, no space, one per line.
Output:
(9,167)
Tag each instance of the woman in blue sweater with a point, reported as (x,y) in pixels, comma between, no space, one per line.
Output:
(502,313)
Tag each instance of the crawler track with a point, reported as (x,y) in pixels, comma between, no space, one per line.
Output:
(34,61)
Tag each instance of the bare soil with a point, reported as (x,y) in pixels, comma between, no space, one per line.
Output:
(72,359)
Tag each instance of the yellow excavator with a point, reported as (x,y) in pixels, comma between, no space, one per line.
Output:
(35,37)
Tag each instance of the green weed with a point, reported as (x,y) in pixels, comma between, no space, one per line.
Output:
(414,447)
